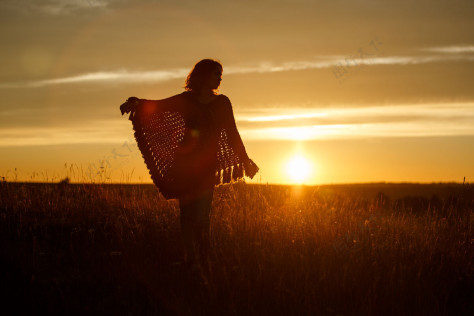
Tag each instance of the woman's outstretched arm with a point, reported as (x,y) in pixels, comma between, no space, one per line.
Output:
(235,141)
(134,104)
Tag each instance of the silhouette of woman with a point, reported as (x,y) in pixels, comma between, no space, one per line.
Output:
(190,143)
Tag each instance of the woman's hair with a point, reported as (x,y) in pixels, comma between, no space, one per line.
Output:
(200,73)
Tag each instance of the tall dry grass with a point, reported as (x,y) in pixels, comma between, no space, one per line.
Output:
(115,249)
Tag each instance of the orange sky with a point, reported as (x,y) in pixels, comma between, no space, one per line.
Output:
(363,90)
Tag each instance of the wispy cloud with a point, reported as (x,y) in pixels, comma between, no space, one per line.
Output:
(289,113)
(451,49)
(54,7)
(358,131)
(282,117)
(105,77)
(321,62)
(96,132)
(415,120)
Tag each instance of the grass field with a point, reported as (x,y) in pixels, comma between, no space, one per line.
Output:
(375,249)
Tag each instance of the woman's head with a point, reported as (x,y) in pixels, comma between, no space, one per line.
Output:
(205,75)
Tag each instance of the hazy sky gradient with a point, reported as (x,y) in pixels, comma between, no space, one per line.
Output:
(388,83)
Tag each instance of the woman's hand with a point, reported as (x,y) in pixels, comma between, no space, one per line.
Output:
(129,105)
(250,168)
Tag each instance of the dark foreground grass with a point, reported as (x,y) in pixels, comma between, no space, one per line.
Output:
(115,249)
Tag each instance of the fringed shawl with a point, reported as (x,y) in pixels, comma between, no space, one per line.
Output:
(186,144)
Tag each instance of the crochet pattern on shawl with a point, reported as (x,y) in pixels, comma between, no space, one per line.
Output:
(186,144)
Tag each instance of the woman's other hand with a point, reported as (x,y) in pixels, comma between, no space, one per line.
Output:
(129,105)
(250,168)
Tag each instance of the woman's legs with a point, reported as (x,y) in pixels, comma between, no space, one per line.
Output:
(195,223)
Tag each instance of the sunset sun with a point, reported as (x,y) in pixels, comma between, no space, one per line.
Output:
(298,169)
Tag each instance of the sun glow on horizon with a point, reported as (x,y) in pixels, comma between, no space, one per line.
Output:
(298,169)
